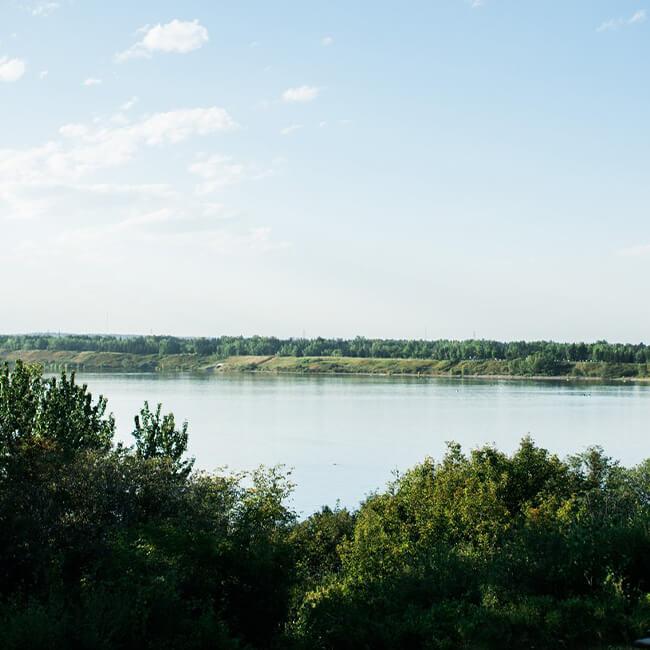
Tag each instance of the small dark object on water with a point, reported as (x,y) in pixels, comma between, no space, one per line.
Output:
(642,643)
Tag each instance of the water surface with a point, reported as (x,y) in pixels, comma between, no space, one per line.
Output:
(344,435)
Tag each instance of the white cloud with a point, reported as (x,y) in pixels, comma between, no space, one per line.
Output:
(322,124)
(127,106)
(635,251)
(176,36)
(326,40)
(476,3)
(156,129)
(638,17)
(160,190)
(73,130)
(167,227)
(42,74)
(208,168)
(300,94)
(119,118)
(175,126)
(30,178)
(87,235)
(607,25)
(290,129)
(97,193)
(217,171)
(43,9)
(219,240)
(92,81)
(25,200)
(11,69)
(213,210)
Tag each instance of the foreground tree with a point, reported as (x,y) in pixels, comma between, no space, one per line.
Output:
(106,546)
(156,436)
(57,412)
(488,550)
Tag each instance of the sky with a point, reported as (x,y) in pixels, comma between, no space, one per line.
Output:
(438,169)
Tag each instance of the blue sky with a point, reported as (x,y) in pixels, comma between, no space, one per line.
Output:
(445,168)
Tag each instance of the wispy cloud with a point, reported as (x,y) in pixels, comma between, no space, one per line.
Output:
(300,94)
(73,186)
(43,9)
(92,81)
(11,69)
(167,227)
(176,36)
(127,106)
(291,129)
(638,17)
(159,128)
(30,178)
(640,250)
(217,171)
(326,40)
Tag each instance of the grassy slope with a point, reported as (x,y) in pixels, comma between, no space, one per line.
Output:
(426,367)
(115,361)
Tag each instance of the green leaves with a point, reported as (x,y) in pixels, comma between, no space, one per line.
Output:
(68,416)
(491,550)
(115,547)
(21,392)
(55,412)
(156,436)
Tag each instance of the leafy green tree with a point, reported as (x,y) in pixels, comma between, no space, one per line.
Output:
(20,393)
(156,436)
(55,411)
(169,346)
(488,550)
(113,547)
(317,541)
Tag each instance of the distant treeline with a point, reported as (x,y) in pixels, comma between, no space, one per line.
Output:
(442,349)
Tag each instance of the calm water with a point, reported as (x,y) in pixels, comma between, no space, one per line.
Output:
(344,435)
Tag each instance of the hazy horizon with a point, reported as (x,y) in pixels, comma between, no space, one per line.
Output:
(458,169)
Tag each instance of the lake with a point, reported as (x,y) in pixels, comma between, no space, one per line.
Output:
(344,435)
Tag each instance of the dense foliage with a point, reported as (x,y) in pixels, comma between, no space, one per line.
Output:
(104,546)
(541,353)
(491,551)
(107,547)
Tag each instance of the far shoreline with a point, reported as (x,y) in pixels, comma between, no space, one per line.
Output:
(475,369)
